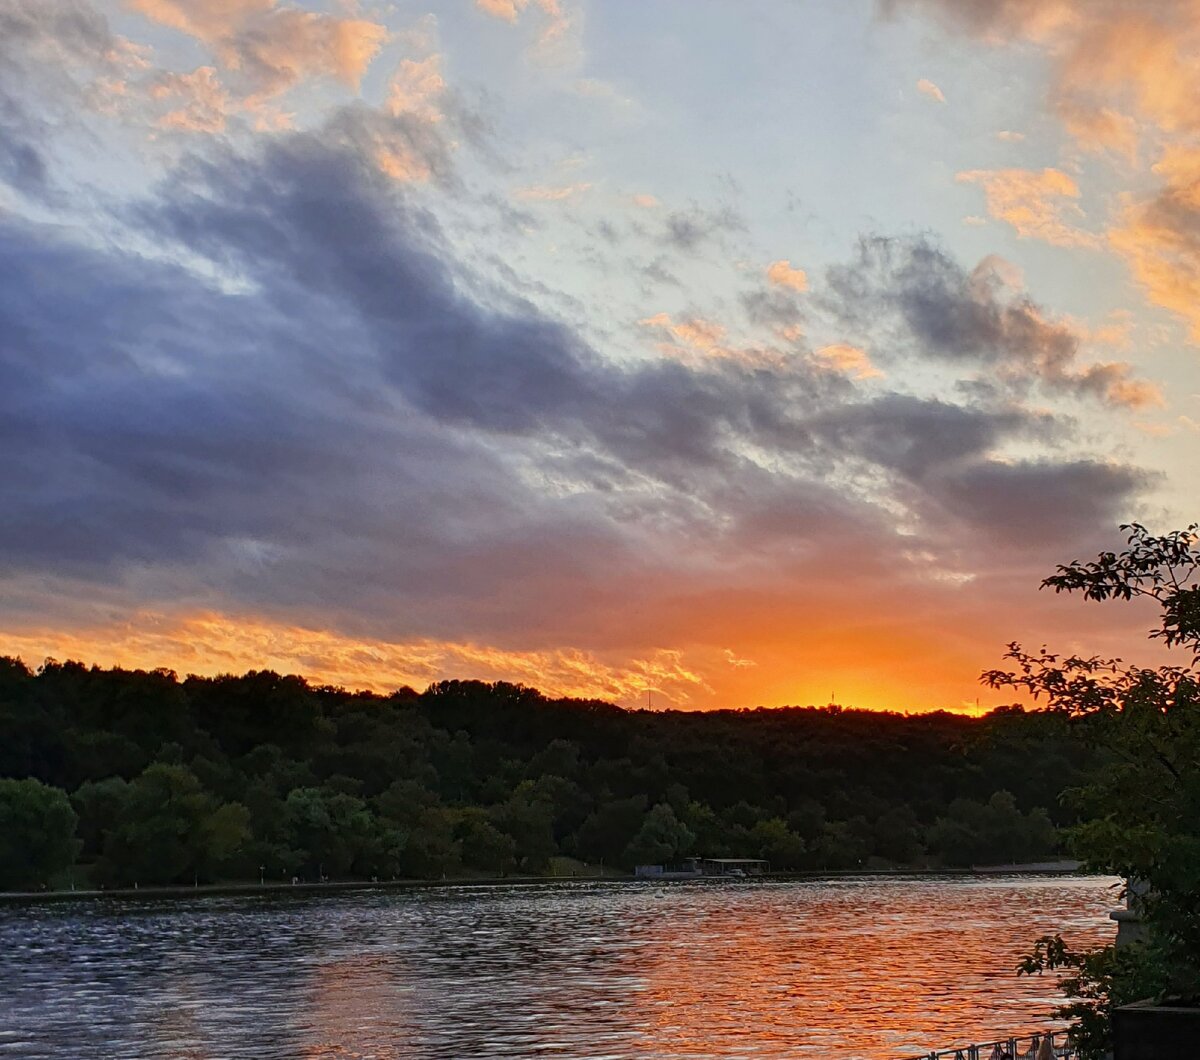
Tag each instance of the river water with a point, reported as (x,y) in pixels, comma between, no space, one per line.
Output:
(865,968)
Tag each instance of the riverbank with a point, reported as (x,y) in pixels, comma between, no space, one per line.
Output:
(1062,865)
(249,888)
(303,887)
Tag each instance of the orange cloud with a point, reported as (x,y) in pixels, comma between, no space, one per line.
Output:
(928,88)
(211,643)
(505,9)
(205,103)
(395,160)
(1114,383)
(417,87)
(1034,202)
(1160,238)
(273,47)
(696,333)
(848,360)
(1100,129)
(205,19)
(1145,63)
(556,21)
(646,202)
(549,193)
(782,274)
(702,342)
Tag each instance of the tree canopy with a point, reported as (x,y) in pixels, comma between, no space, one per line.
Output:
(205,779)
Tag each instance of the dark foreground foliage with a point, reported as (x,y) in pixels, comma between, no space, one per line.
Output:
(157,781)
(1139,813)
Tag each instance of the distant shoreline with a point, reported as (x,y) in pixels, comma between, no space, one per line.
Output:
(218,890)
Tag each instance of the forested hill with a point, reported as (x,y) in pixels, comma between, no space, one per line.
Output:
(114,777)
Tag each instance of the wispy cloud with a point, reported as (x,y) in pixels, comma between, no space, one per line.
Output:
(551,193)
(273,46)
(928,88)
(783,274)
(852,360)
(1039,204)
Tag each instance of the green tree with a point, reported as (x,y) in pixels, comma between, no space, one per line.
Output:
(897,835)
(995,832)
(223,833)
(528,818)
(559,758)
(336,834)
(606,832)
(662,838)
(99,804)
(432,850)
(37,833)
(484,846)
(772,840)
(170,830)
(1141,810)
(844,844)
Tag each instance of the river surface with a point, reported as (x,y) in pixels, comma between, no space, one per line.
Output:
(853,968)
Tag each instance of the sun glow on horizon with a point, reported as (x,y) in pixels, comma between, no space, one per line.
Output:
(209,644)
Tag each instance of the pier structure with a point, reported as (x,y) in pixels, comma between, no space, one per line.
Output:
(1045,1045)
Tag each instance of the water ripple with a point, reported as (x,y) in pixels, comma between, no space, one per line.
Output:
(862,968)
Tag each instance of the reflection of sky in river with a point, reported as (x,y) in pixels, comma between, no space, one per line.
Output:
(854,968)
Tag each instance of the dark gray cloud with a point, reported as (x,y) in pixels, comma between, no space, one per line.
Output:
(922,303)
(952,313)
(689,229)
(22,165)
(1041,502)
(949,474)
(915,436)
(656,273)
(73,27)
(772,307)
(335,231)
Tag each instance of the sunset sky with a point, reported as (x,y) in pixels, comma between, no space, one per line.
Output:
(739,351)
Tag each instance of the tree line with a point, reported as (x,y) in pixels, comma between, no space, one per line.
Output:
(112,777)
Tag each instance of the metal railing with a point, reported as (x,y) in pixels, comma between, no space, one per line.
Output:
(1026,1047)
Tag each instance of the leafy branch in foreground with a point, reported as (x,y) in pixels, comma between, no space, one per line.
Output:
(1163,568)
(1096,981)
(1139,810)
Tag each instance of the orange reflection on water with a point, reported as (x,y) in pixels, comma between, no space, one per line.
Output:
(866,968)
(852,968)
(357,1010)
